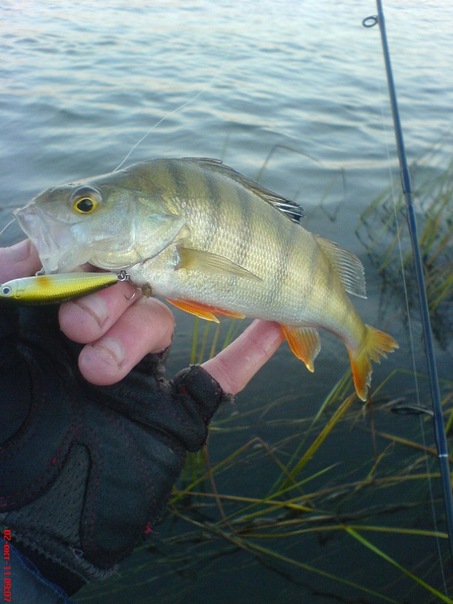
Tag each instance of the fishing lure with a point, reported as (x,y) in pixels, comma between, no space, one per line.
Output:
(56,288)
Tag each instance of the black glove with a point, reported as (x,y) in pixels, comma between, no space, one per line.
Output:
(86,470)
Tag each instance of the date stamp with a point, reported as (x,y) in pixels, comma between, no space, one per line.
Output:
(7,572)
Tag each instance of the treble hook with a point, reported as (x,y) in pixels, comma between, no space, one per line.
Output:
(124,276)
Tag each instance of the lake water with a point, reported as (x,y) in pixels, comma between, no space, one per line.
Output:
(292,93)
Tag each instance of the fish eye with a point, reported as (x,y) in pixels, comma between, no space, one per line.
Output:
(84,205)
(6,290)
(85,200)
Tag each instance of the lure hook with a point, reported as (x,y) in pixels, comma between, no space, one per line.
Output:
(124,276)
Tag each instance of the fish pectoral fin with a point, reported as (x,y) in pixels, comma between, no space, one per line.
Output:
(207,262)
(349,268)
(204,311)
(304,343)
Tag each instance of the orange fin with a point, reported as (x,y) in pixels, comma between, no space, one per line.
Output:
(375,345)
(204,311)
(304,343)
(228,313)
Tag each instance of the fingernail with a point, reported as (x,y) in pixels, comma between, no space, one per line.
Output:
(95,306)
(110,350)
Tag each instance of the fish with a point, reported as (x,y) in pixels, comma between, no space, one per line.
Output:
(56,288)
(212,242)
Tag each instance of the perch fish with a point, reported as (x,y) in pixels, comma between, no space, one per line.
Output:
(212,242)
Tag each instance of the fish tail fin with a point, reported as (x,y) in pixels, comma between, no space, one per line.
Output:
(374,345)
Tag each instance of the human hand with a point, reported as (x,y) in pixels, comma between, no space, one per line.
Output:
(97,457)
(118,329)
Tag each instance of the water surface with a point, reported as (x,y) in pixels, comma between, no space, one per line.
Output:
(292,93)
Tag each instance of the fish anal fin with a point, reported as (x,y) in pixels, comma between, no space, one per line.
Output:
(349,268)
(304,343)
(376,344)
(204,311)
(207,262)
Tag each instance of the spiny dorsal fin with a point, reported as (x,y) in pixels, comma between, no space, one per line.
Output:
(288,207)
(349,268)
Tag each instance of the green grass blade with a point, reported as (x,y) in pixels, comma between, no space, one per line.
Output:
(361,539)
(339,412)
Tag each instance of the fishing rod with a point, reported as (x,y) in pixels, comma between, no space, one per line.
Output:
(438,423)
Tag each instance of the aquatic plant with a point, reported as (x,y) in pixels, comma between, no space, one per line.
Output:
(323,478)
(382,230)
(303,513)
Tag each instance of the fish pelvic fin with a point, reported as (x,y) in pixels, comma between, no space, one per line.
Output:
(203,311)
(376,344)
(304,343)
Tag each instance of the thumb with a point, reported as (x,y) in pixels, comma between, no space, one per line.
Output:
(20,260)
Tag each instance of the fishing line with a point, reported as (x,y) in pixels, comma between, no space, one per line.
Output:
(158,123)
(6,226)
(412,346)
(438,424)
(202,91)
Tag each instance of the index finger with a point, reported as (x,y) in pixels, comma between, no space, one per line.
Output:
(19,260)
(235,366)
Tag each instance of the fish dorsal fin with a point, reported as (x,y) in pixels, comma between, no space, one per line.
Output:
(207,262)
(288,207)
(349,268)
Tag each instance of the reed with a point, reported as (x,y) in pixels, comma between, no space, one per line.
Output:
(302,508)
(382,230)
(306,510)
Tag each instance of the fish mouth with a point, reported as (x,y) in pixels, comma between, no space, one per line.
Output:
(52,239)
